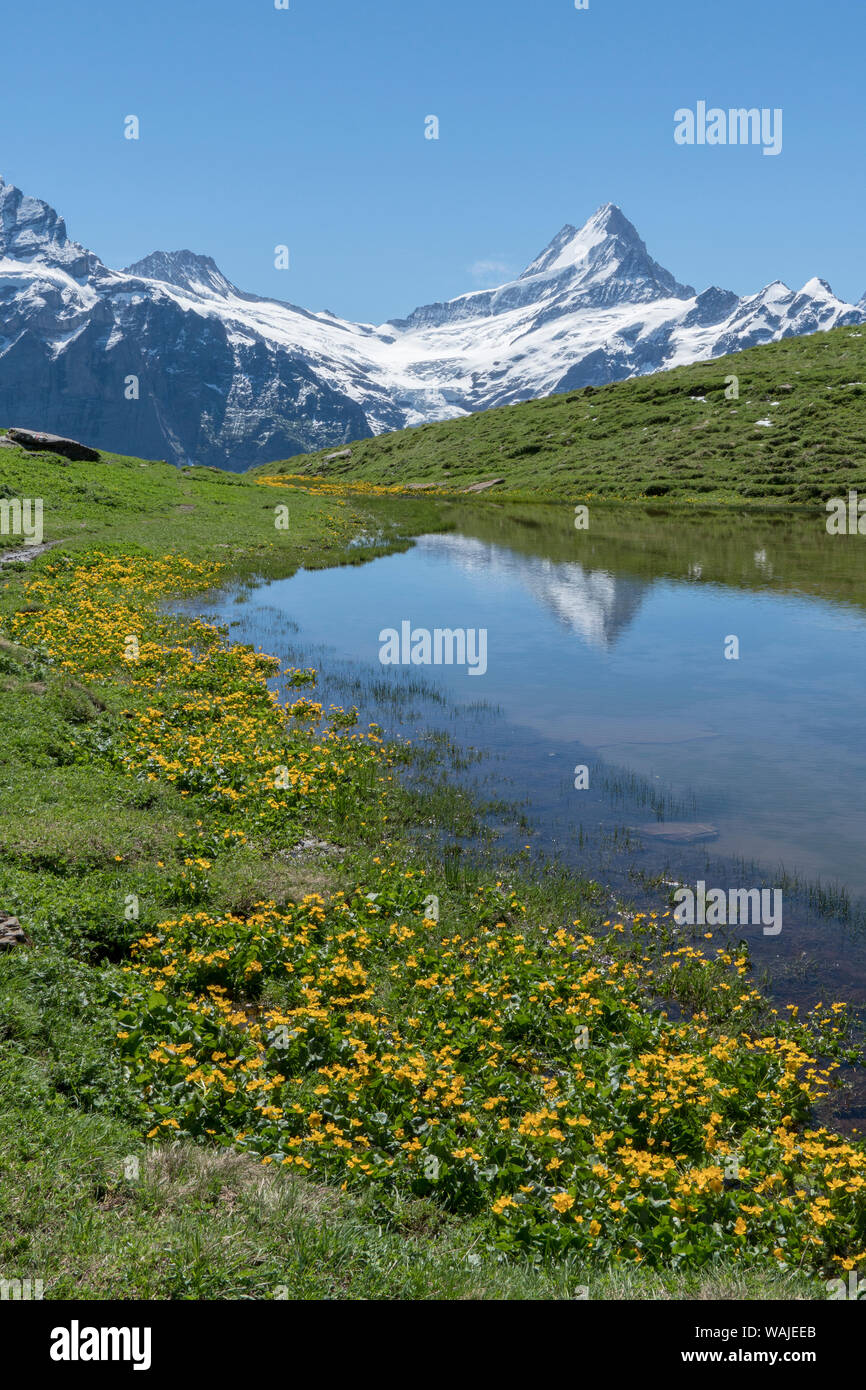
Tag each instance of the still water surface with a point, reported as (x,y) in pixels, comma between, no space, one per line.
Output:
(606,648)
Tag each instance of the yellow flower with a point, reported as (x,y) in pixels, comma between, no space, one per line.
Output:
(563,1201)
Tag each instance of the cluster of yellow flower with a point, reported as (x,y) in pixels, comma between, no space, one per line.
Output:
(203,715)
(320,485)
(659,1140)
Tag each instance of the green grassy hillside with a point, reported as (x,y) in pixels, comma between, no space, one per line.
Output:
(674,435)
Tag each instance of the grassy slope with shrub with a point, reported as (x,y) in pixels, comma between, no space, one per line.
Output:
(406,1040)
(673,434)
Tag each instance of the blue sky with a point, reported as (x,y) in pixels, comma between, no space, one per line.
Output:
(306,127)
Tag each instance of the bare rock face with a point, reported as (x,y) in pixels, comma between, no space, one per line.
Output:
(55,444)
(482,487)
(12,933)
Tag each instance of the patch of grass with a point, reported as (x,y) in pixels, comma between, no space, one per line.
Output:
(138,507)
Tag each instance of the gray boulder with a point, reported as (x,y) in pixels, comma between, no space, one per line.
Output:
(12,933)
(55,444)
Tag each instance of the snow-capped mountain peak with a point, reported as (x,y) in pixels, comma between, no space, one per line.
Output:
(572,246)
(30,230)
(187,270)
(606,260)
(817,286)
(601,264)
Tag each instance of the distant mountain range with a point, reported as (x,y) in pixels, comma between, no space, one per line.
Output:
(168,359)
